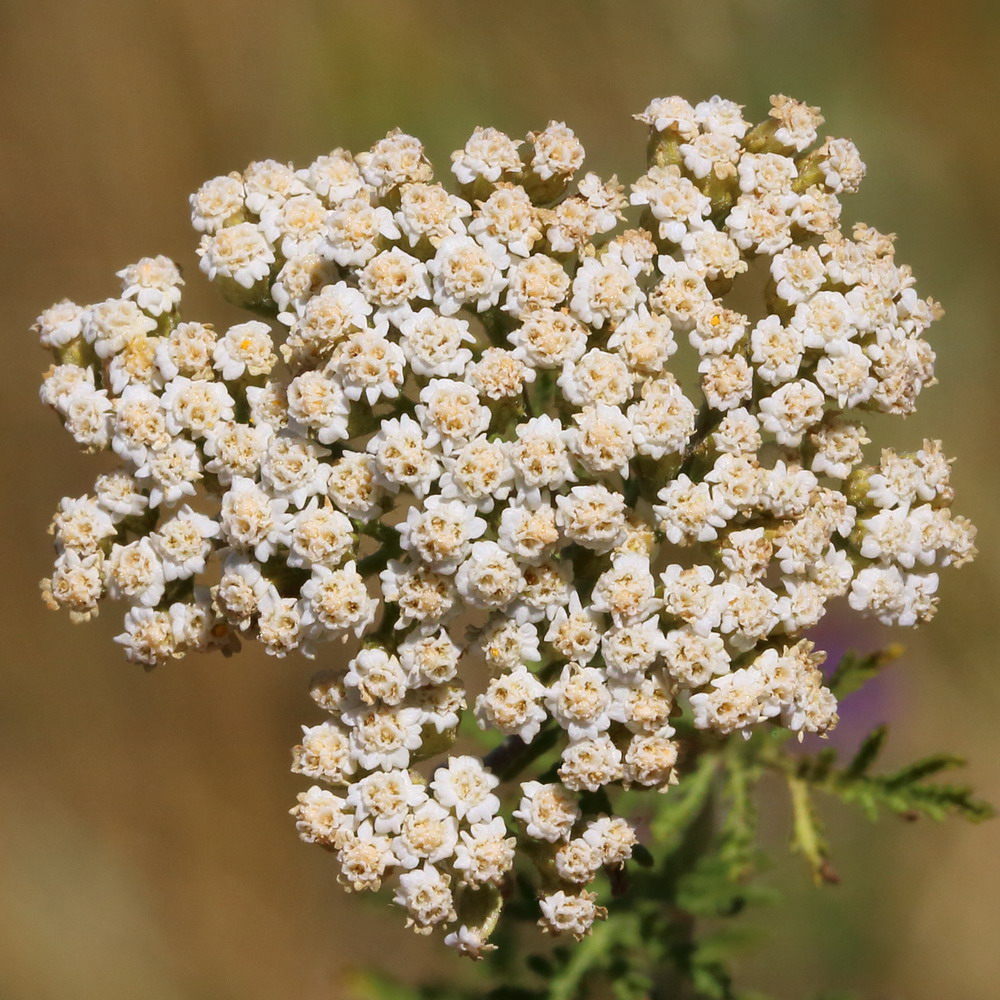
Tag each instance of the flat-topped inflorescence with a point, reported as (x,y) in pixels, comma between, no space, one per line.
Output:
(620,462)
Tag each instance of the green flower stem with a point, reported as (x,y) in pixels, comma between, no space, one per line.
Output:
(512,756)
(707,421)
(806,836)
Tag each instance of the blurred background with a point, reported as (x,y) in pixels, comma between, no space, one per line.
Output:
(145,847)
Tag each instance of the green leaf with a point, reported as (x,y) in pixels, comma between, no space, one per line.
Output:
(642,857)
(585,957)
(709,890)
(807,836)
(631,985)
(677,809)
(869,750)
(710,977)
(854,670)
(540,965)
(937,801)
(469,729)
(370,985)
(921,769)
(738,832)
(905,791)
(506,993)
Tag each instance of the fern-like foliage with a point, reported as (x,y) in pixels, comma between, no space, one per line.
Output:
(671,932)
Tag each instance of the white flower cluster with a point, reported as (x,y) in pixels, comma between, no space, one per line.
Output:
(459,437)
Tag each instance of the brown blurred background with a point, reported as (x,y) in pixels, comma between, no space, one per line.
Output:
(145,850)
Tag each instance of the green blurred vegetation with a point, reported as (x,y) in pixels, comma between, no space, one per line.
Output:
(146,850)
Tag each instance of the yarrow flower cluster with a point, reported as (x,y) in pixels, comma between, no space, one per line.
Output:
(459,434)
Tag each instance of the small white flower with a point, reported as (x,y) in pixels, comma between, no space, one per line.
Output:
(777,350)
(512,704)
(479,473)
(292,468)
(451,414)
(172,472)
(335,177)
(489,577)
(336,601)
(508,219)
(575,631)
(355,230)
(673,114)
(579,701)
(548,338)
(154,283)
(267,182)
(183,543)
(630,651)
(536,282)
(592,516)
(426,895)
(195,406)
(369,365)
(692,658)
(488,154)
(216,202)
(391,281)
(432,344)
(842,166)
(440,532)
(485,853)
(148,637)
(674,201)
(118,494)
(429,659)
(791,410)
(319,535)
(236,450)
(564,913)
(245,349)
(296,225)
(364,857)
(241,589)
(507,642)
(402,456)
(396,159)
(528,533)
(385,798)
(557,151)
(467,273)
(796,122)
(589,764)
(626,590)
(112,324)
(548,812)
(466,787)
(428,212)
(471,941)
(604,291)
(252,519)
(422,595)
(717,115)
(238,252)
(541,457)
(383,737)
(80,524)
(428,833)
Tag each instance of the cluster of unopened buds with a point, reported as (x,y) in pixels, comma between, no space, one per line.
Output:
(460,437)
